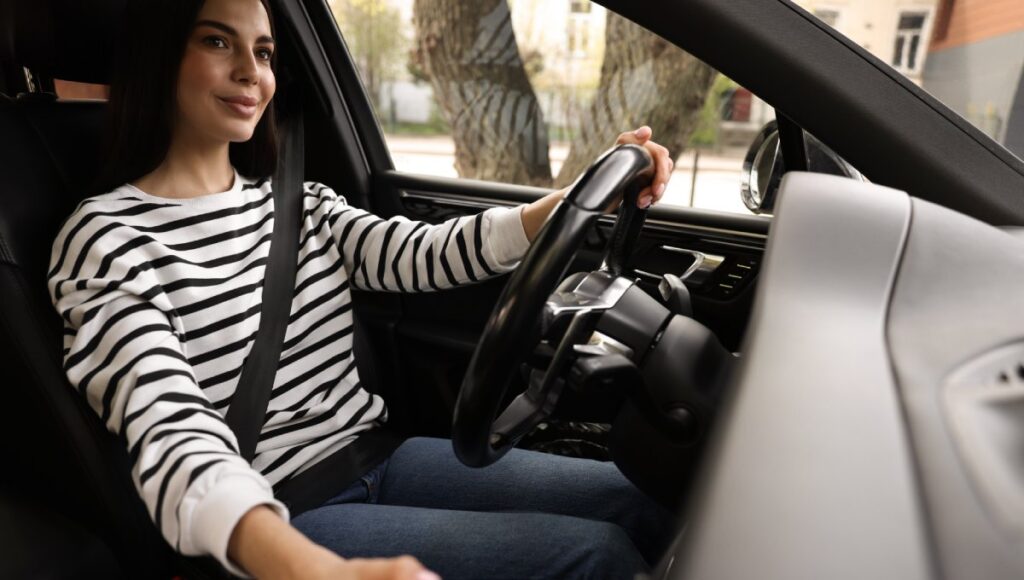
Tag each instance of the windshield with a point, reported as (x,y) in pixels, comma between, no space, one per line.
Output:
(967,53)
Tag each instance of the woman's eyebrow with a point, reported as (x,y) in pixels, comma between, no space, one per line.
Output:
(229,30)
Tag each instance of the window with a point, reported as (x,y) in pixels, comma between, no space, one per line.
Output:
(579,7)
(736,105)
(531,92)
(909,32)
(74,90)
(966,54)
(66,90)
(577,37)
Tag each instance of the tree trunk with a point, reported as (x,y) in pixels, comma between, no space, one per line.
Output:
(644,81)
(469,51)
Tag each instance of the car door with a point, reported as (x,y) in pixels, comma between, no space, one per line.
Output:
(522,79)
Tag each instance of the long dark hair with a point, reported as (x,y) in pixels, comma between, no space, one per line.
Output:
(143,96)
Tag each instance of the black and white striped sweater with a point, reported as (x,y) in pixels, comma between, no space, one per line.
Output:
(161,301)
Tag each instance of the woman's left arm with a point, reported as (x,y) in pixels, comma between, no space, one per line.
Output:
(535,214)
(407,256)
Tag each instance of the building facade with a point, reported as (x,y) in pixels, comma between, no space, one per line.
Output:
(896,31)
(976,66)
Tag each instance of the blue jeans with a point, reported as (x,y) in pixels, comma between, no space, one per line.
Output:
(530,515)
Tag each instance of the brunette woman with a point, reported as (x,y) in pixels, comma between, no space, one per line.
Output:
(159,284)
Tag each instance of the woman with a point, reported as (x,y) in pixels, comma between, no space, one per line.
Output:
(158,282)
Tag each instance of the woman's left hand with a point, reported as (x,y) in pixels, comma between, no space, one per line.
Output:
(534,214)
(663,165)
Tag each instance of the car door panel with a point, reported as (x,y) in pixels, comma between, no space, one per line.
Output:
(436,333)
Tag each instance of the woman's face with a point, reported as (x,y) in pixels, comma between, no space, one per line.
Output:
(225,82)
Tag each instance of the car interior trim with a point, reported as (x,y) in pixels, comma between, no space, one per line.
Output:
(339,60)
(652,224)
(956,313)
(839,412)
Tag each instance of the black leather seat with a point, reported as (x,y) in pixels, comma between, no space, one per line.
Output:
(28,526)
(55,450)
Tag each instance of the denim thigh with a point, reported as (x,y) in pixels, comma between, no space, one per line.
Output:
(530,515)
(424,472)
(476,545)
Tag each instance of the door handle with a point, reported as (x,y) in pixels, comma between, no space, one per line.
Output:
(702,268)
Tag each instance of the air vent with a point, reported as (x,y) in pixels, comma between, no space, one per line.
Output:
(1000,367)
(1014,375)
(984,403)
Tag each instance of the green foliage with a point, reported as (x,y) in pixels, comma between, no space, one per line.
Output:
(373,32)
(706,132)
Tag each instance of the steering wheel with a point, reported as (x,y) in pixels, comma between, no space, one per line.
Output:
(481,435)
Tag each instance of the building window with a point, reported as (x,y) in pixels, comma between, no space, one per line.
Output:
(579,6)
(909,33)
(578,37)
(828,16)
(737,104)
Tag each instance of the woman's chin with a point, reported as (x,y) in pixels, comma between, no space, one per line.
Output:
(214,135)
(237,135)
(241,138)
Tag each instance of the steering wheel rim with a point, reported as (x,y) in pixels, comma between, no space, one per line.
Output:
(510,334)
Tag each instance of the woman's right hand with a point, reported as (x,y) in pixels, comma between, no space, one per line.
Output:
(402,568)
(268,547)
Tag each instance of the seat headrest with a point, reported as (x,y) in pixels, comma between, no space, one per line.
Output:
(66,39)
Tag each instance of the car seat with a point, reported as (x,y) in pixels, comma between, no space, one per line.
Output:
(55,450)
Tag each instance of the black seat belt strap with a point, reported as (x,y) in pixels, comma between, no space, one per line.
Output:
(248,407)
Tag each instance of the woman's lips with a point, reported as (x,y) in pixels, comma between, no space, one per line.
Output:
(243,106)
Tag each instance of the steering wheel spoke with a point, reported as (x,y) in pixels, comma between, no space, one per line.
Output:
(524,413)
(596,291)
(541,396)
(480,434)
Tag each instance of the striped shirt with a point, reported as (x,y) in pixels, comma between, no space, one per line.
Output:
(161,301)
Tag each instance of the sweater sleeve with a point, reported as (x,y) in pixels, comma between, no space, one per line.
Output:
(124,355)
(401,255)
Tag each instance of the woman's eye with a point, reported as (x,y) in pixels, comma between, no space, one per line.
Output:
(264,53)
(215,41)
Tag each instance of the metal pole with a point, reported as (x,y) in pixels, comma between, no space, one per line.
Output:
(693,175)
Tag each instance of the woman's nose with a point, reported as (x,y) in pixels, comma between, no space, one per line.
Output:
(246,68)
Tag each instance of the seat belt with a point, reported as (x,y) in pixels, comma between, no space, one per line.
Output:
(248,406)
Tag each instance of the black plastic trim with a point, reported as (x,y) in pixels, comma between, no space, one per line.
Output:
(483,194)
(363,137)
(331,72)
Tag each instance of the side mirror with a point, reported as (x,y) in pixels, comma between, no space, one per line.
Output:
(764,166)
(762,170)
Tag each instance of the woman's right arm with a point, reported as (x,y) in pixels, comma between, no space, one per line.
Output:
(399,255)
(266,546)
(124,354)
